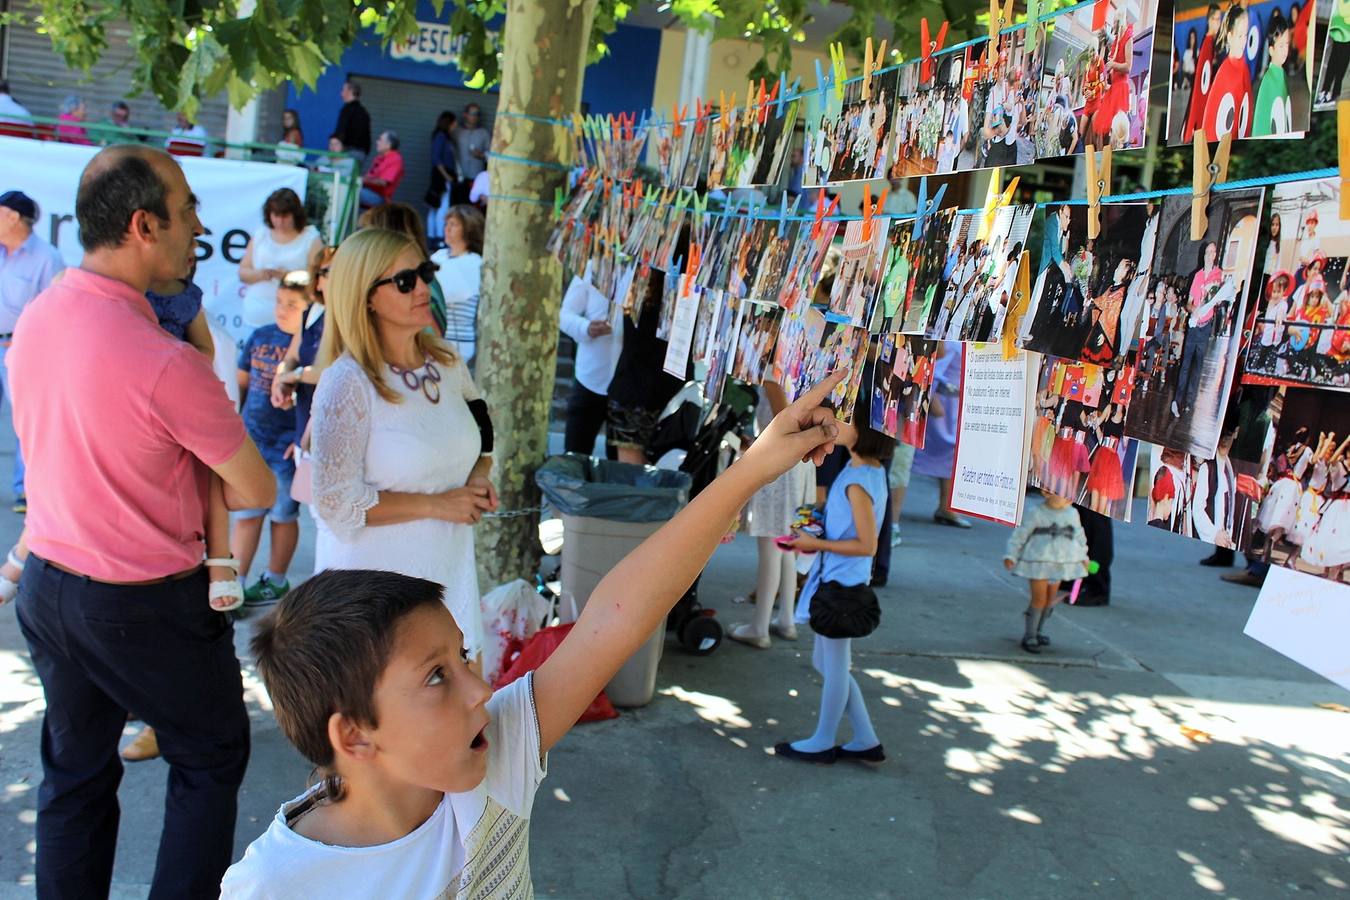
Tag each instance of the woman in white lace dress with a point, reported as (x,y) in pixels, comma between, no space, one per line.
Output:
(401,439)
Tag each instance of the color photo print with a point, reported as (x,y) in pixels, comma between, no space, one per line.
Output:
(981,275)
(1303,325)
(1095,77)
(1080,307)
(752,361)
(1078,445)
(857,142)
(1240,69)
(809,348)
(1007,93)
(932,121)
(904,375)
(1332,85)
(1304,518)
(858,277)
(1196,303)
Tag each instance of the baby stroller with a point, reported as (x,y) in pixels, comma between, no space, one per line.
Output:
(700,439)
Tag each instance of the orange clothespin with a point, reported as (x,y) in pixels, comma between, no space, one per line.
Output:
(1098,186)
(839,68)
(929,47)
(678,112)
(870,209)
(999,19)
(996,198)
(1206,173)
(822,211)
(691,265)
(769,99)
(1343,153)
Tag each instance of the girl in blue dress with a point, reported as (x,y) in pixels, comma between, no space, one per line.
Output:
(853,514)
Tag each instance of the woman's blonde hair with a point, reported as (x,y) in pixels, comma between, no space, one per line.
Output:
(359,262)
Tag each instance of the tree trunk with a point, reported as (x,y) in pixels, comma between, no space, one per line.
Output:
(544,44)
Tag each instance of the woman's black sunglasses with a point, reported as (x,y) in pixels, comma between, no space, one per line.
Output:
(406,280)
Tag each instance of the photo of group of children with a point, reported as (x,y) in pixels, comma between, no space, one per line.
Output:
(858,278)
(902,379)
(932,122)
(1302,333)
(980,275)
(1240,68)
(754,342)
(1078,445)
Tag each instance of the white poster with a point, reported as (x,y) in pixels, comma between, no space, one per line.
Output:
(993,432)
(1307,619)
(231,192)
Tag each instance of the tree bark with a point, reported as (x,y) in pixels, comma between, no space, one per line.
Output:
(544,45)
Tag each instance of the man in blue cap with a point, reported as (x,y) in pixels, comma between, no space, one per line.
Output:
(28,264)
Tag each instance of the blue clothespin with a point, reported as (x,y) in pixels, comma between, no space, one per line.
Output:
(924,209)
(782,212)
(821,81)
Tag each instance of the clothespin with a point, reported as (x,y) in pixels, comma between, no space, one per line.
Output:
(691,266)
(870,209)
(700,207)
(782,212)
(1343,153)
(700,115)
(923,209)
(1099,11)
(999,19)
(839,69)
(1098,186)
(870,65)
(1206,173)
(821,81)
(784,90)
(929,47)
(822,211)
(1033,23)
(558,199)
(995,199)
(1017,306)
(677,121)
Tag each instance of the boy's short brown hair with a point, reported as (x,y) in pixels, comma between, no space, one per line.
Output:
(324,647)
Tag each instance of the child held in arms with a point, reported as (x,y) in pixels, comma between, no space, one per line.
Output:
(428,777)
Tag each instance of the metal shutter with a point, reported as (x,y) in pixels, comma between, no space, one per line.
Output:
(40,80)
(410,110)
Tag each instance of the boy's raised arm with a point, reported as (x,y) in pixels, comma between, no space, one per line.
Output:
(634,599)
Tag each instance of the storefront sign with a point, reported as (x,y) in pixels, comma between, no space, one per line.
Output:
(434,43)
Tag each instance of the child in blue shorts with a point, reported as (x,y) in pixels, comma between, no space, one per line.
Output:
(273,430)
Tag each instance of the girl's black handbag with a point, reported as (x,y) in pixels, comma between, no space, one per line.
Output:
(844,611)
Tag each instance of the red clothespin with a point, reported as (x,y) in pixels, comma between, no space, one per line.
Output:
(1098,186)
(1099,12)
(1205,174)
(821,212)
(701,116)
(870,209)
(768,99)
(928,47)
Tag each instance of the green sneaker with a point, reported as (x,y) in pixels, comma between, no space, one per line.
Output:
(264,593)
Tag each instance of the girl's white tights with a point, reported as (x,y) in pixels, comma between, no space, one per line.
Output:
(840,694)
(777,578)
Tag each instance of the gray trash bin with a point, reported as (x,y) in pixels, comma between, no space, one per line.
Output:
(607,509)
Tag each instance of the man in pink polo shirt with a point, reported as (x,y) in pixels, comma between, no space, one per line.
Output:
(121,422)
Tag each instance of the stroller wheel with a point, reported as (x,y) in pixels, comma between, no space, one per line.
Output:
(701,634)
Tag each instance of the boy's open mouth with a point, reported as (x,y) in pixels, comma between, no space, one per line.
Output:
(479,740)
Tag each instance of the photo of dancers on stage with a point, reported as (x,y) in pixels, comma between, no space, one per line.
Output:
(1192,328)
(1303,326)
(981,275)
(1078,445)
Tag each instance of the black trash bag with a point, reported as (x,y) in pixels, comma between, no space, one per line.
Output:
(579,485)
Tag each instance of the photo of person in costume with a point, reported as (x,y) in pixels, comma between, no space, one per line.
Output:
(1186,361)
(983,279)
(1303,324)
(904,375)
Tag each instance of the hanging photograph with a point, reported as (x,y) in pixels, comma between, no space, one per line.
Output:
(753,360)
(804,265)
(1240,69)
(1302,334)
(777,143)
(820,146)
(903,375)
(859,141)
(799,334)
(1332,85)
(1078,445)
(1196,304)
(928,273)
(722,346)
(981,275)
(1304,518)
(1095,77)
(1009,93)
(923,115)
(897,289)
(1081,299)
(858,278)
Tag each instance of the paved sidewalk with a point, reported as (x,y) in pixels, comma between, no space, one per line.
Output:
(1062,775)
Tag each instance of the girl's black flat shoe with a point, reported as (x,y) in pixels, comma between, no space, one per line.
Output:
(819,757)
(870,755)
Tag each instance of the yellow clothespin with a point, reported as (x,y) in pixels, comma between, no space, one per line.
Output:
(871,63)
(996,198)
(1206,173)
(839,68)
(1098,186)
(999,19)
(1017,306)
(1343,153)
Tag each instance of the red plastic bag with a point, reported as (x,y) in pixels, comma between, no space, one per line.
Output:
(531,656)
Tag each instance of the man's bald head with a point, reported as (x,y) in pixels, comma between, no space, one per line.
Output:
(116,183)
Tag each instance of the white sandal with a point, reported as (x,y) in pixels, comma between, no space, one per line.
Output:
(10,589)
(231,590)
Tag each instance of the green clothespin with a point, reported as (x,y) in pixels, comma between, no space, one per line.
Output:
(700,202)
(1033,23)
(558,199)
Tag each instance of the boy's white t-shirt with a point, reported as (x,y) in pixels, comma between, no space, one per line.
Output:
(475,845)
